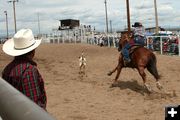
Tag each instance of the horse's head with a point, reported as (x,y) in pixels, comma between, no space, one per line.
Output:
(125,37)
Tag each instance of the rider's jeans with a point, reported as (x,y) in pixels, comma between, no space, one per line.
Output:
(125,51)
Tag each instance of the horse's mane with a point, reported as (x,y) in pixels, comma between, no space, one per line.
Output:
(125,37)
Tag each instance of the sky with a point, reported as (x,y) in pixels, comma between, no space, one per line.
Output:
(89,12)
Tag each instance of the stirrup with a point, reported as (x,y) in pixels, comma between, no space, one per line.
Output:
(126,61)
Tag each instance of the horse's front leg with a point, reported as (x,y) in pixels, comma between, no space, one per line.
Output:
(119,63)
(118,68)
(111,72)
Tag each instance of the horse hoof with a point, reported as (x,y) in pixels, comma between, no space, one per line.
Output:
(148,88)
(159,86)
(109,73)
(113,85)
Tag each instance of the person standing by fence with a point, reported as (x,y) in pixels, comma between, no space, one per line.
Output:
(22,72)
(150,43)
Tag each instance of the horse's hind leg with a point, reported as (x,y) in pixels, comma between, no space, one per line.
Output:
(153,70)
(158,85)
(143,75)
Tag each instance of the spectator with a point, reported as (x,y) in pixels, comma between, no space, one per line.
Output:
(117,42)
(150,43)
(166,44)
(177,40)
(101,41)
(22,72)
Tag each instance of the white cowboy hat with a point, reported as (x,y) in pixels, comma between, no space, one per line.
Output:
(22,43)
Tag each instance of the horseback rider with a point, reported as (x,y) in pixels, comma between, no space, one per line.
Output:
(138,39)
(139,33)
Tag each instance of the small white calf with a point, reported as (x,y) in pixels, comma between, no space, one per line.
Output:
(82,63)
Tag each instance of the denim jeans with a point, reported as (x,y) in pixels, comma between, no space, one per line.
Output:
(125,51)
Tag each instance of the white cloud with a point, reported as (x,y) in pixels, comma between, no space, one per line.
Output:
(88,12)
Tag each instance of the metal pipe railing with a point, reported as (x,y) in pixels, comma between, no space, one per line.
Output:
(16,106)
(161,43)
(179,44)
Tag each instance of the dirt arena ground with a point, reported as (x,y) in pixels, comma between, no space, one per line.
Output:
(72,96)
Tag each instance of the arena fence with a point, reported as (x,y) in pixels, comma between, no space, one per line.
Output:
(166,44)
(15,106)
(159,42)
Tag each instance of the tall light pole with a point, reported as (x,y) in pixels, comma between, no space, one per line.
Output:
(106,16)
(14,9)
(5,12)
(39,30)
(156,17)
(110,22)
(128,16)
(107,30)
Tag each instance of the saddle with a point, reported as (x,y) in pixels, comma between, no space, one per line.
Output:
(133,47)
(131,50)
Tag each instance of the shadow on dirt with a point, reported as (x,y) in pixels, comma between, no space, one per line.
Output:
(134,86)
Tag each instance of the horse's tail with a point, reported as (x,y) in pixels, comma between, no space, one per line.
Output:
(152,68)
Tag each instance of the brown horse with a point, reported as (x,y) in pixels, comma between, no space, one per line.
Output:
(141,58)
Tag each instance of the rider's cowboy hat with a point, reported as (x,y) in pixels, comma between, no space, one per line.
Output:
(22,43)
(137,24)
